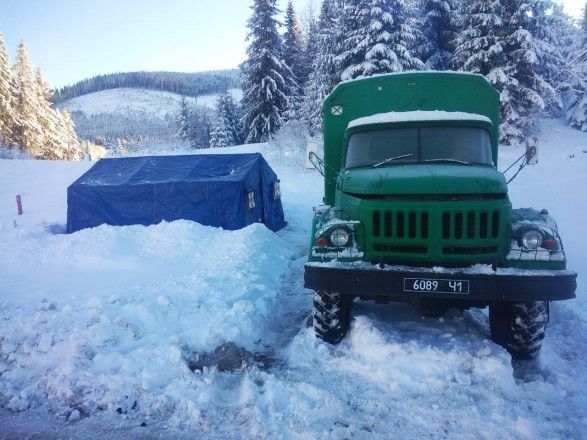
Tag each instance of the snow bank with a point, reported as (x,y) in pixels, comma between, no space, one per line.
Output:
(419,115)
(110,311)
(425,378)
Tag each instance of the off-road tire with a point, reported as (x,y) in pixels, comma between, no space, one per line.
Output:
(331,316)
(519,327)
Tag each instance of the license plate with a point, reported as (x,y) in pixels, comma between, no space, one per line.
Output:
(427,285)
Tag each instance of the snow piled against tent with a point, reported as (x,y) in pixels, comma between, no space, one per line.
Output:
(118,309)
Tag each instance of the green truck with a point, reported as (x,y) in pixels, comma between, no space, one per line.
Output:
(416,211)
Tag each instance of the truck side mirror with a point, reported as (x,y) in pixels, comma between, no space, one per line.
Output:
(312,147)
(532,151)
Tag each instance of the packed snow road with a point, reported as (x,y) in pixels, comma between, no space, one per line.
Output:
(123,331)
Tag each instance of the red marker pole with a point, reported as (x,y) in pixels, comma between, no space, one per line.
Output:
(19,204)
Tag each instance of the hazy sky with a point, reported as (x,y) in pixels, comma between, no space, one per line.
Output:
(75,39)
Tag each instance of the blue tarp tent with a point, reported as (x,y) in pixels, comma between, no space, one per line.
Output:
(226,190)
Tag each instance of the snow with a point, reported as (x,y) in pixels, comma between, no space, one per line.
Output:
(97,328)
(129,101)
(407,72)
(419,115)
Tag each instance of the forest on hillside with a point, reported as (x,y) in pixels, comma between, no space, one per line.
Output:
(182,83)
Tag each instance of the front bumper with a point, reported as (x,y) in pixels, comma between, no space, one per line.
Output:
(484,284)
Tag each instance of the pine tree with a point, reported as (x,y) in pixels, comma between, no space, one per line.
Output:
(28,133)
(223,133)
(183,120)
(231,114)
(553,32)
(323,77)
(293,45)
(47,118)
(71,148)
(577,79)
(8,117)
(514,44)
(309,54)
(479,47)
(235,112)
(440,31)
(220,135)
(270,89)
(348,35)
(380,39)
(523,95)
(200,128)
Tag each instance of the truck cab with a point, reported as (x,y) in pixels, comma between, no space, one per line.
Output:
(415,210)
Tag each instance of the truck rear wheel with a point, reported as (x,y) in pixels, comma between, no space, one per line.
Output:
(332,313)
(519,327)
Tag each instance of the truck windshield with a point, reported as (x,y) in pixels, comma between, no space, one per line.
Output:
(466,145)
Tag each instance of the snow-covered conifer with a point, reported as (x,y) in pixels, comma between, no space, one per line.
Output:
(348,33)
(183,120)
(479,46)
(310,46)
(577,79)
(380,40)
(225,131)
(8,118)
(54,138)
(28,134)
(231,112)
(440,29)
(269,86)
(508,41)
(293,45)
(200,128)
(524,93)
(71,148)
(553,29)
(220,136)
(323,77)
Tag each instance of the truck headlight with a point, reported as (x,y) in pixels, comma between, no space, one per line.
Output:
(339,237)
(532,239)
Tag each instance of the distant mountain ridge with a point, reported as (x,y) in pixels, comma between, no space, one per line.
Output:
(182,83)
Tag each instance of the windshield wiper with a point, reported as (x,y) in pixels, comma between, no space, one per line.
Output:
(448,160)
(391,159)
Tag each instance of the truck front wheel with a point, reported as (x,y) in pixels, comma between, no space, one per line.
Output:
(332,313)
(519,327)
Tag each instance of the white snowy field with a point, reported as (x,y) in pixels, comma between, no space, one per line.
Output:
(130,101)
(97,328)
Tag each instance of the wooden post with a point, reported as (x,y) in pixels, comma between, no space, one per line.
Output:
(19,204)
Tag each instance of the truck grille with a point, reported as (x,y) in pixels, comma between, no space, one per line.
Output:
(401,224)
(470,225)
(442,232)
